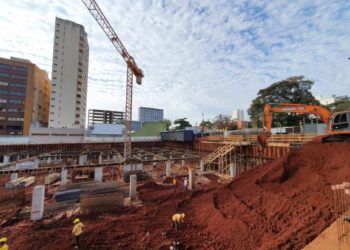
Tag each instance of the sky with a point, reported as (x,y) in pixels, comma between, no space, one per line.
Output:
(200,58)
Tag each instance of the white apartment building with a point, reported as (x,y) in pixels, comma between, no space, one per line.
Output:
(70,65)
(237,115)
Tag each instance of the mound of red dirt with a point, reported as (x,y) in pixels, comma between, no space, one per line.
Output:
(281,205)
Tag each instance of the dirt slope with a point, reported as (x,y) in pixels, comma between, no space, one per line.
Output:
(281,205)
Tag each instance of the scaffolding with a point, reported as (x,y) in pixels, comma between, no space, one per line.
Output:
(341,198)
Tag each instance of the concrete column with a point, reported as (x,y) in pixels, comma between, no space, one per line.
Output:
(100,159)
(64,174)
(190,179)
(36,163)
(14,176)
(99,174)
(201,166)
(6,159)
(183,161)
(168,168)
(133,185)
(232,170)
(139,166)
(38,203)
(114,157)
(82,159)
(48,160)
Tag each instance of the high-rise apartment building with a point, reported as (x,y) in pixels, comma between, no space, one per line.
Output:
(24,96)
(104,116)
(238,115)
(69,75)
(150,115)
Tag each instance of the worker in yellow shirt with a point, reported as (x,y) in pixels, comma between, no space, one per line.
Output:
(177,219)
(174,183)
(3,245)
(77,231)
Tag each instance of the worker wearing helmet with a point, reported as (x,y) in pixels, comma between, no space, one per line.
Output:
(77,231)
(177,219)
(3,245)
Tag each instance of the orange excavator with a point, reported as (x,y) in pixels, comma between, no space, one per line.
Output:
(338,124)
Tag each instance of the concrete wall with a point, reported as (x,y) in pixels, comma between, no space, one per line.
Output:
(56,135)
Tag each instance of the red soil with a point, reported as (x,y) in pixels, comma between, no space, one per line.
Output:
(281,205)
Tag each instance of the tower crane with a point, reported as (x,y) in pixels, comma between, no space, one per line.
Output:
(132,68)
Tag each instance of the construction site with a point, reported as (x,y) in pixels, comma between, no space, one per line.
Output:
(253,189)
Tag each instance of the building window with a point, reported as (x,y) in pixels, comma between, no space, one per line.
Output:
(13,84)
(15,101)
(2,118)
(17,93)
(4,83)
(15,119)
(4,92)
(3,101)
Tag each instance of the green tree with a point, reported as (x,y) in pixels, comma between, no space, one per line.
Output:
(340,105)
(181,123)
(223,122)
(167,123)
(294,89)
(205,125)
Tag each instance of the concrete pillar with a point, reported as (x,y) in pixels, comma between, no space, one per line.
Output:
(36,163)
(14,176)
(190,179)
(48,160)
(99,174)
(64,174)
(232,170)
(100,159)
(183,161)
(201,166)
(6,159)
(114,157)
(82,159)
(38,203)
(168,168)
(133,185)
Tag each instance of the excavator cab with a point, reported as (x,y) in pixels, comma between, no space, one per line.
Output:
(339,128)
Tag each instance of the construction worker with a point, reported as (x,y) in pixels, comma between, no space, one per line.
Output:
(3,245)
(177,219)
(77,231)
(185,184)
(174,182)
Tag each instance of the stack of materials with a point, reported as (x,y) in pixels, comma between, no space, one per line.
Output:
(27,182)
(67,195)
(102,203)
(14,183)
(51,178)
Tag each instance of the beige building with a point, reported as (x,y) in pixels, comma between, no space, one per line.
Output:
(24,96)
(69,75)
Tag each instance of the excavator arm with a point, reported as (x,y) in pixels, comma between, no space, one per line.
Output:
(323,113)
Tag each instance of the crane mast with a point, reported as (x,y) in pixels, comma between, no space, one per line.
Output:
(132,69)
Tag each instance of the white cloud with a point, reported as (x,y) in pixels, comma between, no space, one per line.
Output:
(198,56)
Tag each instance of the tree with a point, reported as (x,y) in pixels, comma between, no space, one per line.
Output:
(205,125)
(167,123)
(223,122)
(294,89)
(181,123)
(339,105)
